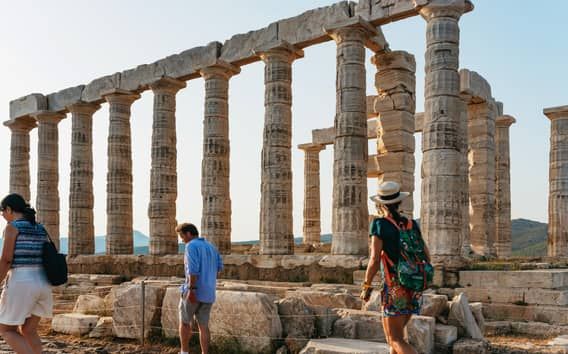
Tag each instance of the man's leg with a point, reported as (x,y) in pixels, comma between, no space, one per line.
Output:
(186,311)
(202,316)
(184,336)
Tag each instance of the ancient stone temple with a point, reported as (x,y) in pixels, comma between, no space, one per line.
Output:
(465,167)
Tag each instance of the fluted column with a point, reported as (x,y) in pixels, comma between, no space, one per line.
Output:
(503,187)
(81,198)
(396,103)
(312,217)
(558,182)
(444,180)
(20,155)
(481,136)
(119,239)
(163,173)
(215,171)
(47,200)
(350,215)
(276,224)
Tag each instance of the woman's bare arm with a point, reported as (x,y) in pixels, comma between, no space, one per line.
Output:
(10,234)
(374,259)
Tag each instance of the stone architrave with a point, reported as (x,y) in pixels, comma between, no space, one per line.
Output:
(119,239)
(20,155)
(503,187)
(163,172)
(481,155)
(350,215)
(276,224)
(558,182)
(81,198)
(444,180)
(215,170)
(47,199)
(312,217)
(395,81)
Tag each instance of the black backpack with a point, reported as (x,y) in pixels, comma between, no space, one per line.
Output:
(54,263)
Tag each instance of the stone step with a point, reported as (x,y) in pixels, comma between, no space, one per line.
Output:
(497,279)
(359,278)
(554,315)
(344,346)
(534,329)
(519,296)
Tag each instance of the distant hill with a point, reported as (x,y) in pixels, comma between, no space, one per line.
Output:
(140,240)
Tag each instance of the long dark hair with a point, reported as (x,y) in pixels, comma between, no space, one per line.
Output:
(18,204)
(393,210)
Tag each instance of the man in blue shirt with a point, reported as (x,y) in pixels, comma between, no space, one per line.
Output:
(202,262)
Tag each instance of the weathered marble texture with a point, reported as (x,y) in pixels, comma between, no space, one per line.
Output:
(215,171)
(119,239)
(444,183)
(276,220)
(503,187)
(47,199)
(20,155)
(349,211)
(163,172)
(81,198)
(558,182)
(312,215)
(395,81)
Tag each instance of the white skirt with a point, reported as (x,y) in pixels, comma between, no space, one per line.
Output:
(26,292)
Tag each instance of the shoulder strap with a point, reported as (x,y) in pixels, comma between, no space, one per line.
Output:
(409,225)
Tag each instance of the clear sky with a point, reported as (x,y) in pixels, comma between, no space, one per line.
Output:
(47,46)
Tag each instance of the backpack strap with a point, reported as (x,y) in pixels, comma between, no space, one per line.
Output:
(409,224)
(386,263)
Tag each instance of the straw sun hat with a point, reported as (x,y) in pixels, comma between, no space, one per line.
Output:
(389,193)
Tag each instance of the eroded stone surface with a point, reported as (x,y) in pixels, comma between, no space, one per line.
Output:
(76,324)
(27,105)
(420,331)
(344,346)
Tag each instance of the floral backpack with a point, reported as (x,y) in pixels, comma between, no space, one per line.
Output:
(413,269)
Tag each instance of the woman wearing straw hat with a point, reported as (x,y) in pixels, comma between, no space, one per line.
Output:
(398,302)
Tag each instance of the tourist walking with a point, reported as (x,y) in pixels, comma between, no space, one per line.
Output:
(26,294)
(397,243)
(202,263)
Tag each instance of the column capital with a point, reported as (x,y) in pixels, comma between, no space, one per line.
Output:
(505,121)
(279,48)
(220,68)
(22,124)
(48,116)
(446,8)
(308,147)
(355,25)
(167,84)
(84,107)
(556,112)
(119,96)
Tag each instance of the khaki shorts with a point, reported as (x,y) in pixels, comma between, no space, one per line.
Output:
(199,310)
(26,292)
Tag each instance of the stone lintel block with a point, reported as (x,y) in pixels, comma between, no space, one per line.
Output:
(139,78)
(238,50)
(396,162)
(186,65)
(541,278)
(398,60)
(324,136)
(27,105)
(505,121)
(378,43)
(380,12)
(474,87)
(92,93)
(554,112)
(307,28)
(59,101)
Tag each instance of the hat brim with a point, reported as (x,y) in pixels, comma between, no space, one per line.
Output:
(377,198)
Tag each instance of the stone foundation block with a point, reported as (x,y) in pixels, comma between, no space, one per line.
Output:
(357,324)
(76,324)
(103,328)
(434,305)
(298,323)
(90,305)
(445,335)
(497,328)
(471,346)
(420,332)
(344,346)
(547,314)
(540,278)
(170,312)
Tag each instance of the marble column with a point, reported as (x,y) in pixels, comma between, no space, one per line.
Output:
(276,224)
(312,217)
(119,239)
(558,182)
(163,172)
(503,187)
(350,215)
(20,155)
(47,199)
(81,198)
(444,181)
(396,103)
(481,137)
(215,170)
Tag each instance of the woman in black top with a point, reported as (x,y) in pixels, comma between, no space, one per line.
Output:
(398,302)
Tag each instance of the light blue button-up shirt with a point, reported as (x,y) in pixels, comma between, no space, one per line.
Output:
(202,259)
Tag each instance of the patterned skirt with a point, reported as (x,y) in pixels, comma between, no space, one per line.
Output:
(398,300)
